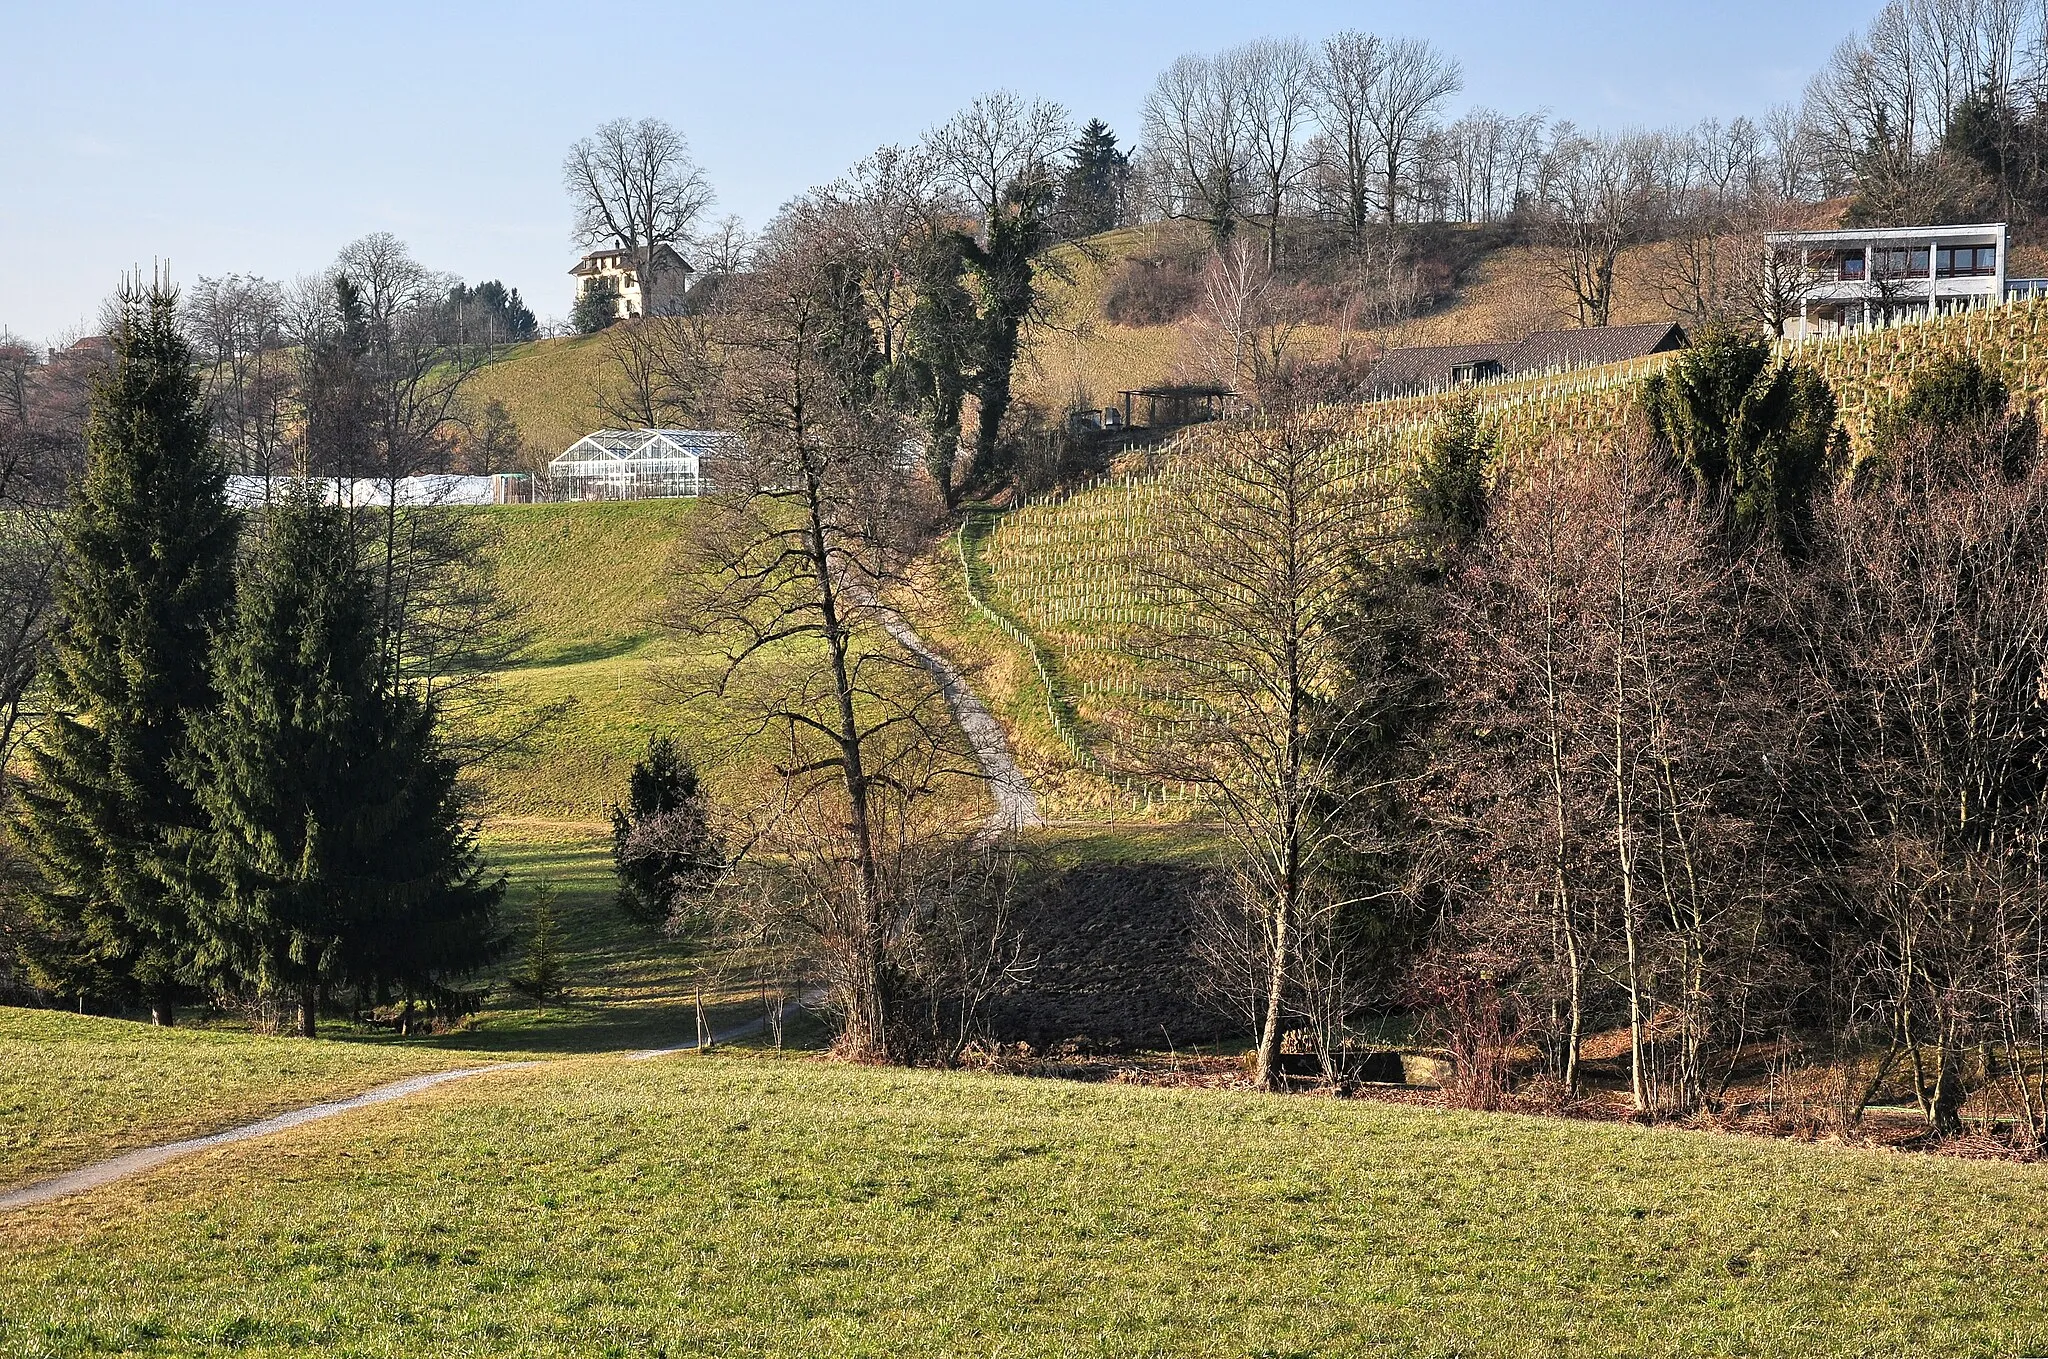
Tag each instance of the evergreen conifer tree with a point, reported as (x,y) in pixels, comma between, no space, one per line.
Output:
(540,972)
(663,845)
(338,855)
(1093,185)
(145,574)
(1754,430)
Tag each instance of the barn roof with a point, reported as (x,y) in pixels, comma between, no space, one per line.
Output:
(1428,369)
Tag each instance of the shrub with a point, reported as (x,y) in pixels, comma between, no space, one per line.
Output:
(1152,292)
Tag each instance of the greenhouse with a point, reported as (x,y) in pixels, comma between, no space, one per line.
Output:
(638,464)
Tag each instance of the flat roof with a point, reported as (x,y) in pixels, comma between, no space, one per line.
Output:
(1925,233)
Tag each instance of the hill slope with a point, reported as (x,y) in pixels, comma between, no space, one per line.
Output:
(589,580)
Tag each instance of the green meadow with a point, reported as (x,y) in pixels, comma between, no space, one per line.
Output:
(749,1202)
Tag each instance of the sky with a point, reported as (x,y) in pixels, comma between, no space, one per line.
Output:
(261,139)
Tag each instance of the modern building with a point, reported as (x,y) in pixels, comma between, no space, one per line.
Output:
(1865,275)
(1403,372)
(618,271)
(638,464)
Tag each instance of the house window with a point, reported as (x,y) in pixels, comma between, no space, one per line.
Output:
(1851,266)
(1966,261)
(1464,374)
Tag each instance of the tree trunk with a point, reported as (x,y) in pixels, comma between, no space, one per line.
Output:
(1267,1076)
(163,1009)
(309,1010)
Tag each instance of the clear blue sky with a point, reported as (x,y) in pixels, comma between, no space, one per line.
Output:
(262,138)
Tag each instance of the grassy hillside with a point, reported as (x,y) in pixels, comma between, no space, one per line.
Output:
(550,388)
(589,580)
(755,1207)
(1076,355)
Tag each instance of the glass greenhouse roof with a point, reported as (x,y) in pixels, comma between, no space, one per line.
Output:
(629,446)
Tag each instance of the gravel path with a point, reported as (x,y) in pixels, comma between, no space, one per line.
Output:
(148,1158)
(133,1163)
(1016,804)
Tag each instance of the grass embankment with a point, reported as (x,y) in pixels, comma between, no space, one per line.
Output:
(75,1088)
(745,1206)
(589,581)
(549,388)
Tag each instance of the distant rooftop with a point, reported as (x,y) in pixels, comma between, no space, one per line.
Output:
(1967,231)
(1439,366)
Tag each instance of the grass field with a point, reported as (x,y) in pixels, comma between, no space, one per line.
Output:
(749,1206)
(550,389)
(589,581)
(75,1088)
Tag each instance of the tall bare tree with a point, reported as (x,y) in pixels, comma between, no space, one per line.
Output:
(238,327)
(634,184)
(997,143)
(1410,87)
(1346,76)
(814,521)
(1278,76)
(1195,142)
(1256,700)
(1925,625)
(1597,199)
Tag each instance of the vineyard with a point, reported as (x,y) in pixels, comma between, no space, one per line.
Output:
(1061,575)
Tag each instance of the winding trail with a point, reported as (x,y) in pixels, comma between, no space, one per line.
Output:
(132,1163)
(1016,805)
(149,1158)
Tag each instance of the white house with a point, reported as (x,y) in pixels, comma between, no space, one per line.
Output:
(1860,275)
(618,271)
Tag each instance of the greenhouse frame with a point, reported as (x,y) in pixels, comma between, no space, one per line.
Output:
(638,464)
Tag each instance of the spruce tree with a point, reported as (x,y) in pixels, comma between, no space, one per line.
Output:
(1093,186)
(1753,430)
(540,973)
(339,855)
(663,844)
(144,575)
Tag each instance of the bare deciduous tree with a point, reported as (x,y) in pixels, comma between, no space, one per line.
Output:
(237,326)
(1596,200)
(1345,77)
(995,144)
(813,523)
(1278,76)
(1195,142)
(1925,623)
(1410,87)
(635,185)
(1255,701)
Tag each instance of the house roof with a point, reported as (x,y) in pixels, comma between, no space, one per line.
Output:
(1973,231)
(1425,369)
(1402,370)
(597,261)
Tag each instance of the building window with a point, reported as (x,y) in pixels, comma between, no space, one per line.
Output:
(1966,261)
(1851,266)
(1481,370)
